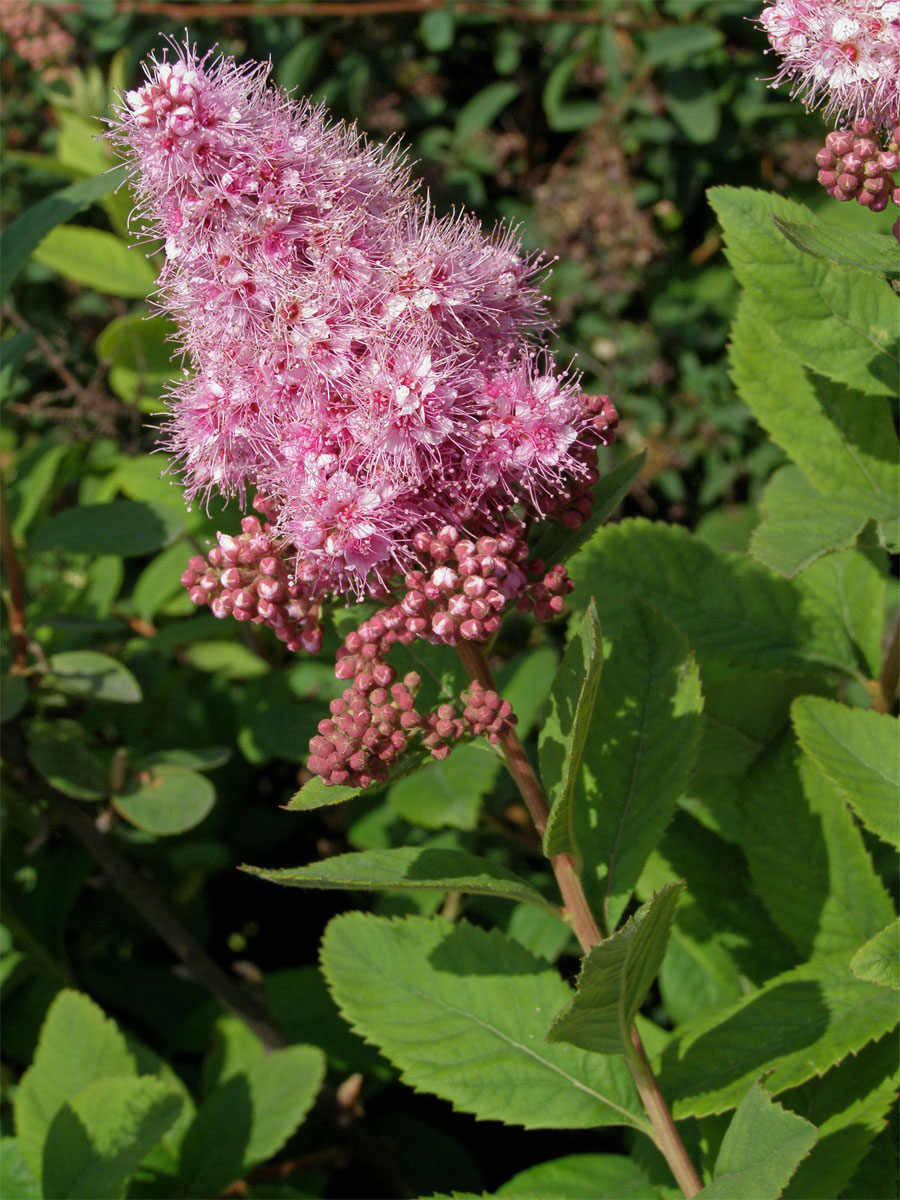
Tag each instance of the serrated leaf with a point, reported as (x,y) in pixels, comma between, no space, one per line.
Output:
(416,867)
(248,1119)
(97,259)
(876,253)
(461,1011)
(234,1047)
(878,961)
(841,323)
(69,766)
(77,1046)
(797,1026)
(315,793)
(92,674)
(858,750)
(615,978)
(761,1150)
(100,1134)
(807,858)
(166,800)
(801,525)
(565,730)
(600,1176)
(35,223)
(447,794)
(639,752)
(843,595)
(841,440)
(557,544)
(727,606)
(121,527)
(848,1106)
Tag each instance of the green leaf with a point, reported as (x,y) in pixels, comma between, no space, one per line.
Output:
(639,752)
(841,441)
(69,766)
(100,1134)
(226,660)
(447,794)
(615,978)
(807,858)
(844,596)
(848,1106)
(727,606)
(16,1180)
(139,351)
(13,350)
(315,793)
(408,867)
(160,580)
(92,674)
(78,1045)
(437,29)
(692,99)
(676,44)
(248,1119)
(600,1176)
(166,800)
(842,324)
(30,490)
(198,758)
(98,260)
(484,107)
(878,961)
(557,544)
(35,223)
(564,115)
(123,527)
(800,525)
(797,1026)
(565,731)
(761,1150)
(858,750)
(876,253)
(234,1047)
(462,1012)
(13,696)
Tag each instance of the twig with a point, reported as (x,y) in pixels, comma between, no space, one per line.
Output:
(585,926)
(144,897)
(15,598)
(229,9)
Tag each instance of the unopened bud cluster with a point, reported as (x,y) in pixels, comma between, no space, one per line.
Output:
(375,720)
(854,165)
(245,577)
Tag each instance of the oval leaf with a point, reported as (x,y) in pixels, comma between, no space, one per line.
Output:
(167,800)
(122,527)
(98,260)
(92,674)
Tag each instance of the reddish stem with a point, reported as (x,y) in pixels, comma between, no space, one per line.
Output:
(587,931)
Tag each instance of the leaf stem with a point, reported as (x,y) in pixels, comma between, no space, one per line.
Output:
(587,931)
(884,688)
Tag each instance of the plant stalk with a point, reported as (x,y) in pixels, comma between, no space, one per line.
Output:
(884,688)
(666,1135)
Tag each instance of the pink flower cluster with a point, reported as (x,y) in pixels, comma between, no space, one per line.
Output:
(366,366)
(245,577)
(853,166)
(843,53)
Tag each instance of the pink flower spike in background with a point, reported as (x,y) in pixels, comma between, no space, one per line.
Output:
(843,54)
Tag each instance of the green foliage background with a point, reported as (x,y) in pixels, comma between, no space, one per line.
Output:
(599,128)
